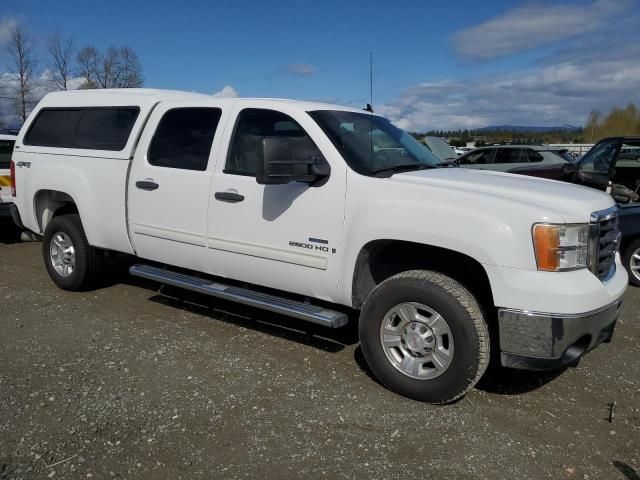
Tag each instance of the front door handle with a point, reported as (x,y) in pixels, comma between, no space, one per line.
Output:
(229,197)
(146,185)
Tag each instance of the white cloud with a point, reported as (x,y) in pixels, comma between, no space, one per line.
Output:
(599,69)
(301,69)
(532,26)
(227,91)
(555,93)
(6,25)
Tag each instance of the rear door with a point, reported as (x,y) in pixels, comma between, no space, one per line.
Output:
(508,158)
(169,184)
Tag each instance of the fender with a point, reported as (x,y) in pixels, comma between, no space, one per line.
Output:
(103,221)
(466,222)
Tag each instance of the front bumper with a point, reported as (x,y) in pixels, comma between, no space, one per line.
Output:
(544,341)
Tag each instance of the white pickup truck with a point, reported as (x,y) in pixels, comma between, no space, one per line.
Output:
(318,211)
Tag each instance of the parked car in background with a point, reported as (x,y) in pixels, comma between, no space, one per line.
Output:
(6,149)
(612,165)
(505,158)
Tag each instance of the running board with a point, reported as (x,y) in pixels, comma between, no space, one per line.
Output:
(283,306)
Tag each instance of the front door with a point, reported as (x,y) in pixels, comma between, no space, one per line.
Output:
(625,175)
(285,236)
(169,184)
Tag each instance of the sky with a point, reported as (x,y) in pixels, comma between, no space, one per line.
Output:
(437,65)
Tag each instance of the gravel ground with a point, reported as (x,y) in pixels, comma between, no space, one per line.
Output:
(134,381)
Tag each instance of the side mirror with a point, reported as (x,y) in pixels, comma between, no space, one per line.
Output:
(569,168)
(283,162)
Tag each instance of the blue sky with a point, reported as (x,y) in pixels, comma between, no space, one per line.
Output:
(436,64)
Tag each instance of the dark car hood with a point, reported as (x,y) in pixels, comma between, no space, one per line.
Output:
(550,171)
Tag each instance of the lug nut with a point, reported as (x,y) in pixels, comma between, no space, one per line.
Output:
(429,338)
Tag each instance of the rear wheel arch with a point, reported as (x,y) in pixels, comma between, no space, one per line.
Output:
(51,203)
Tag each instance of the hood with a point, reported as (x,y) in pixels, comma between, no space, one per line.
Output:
(573,203)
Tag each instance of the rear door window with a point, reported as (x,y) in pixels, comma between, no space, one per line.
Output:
(509,155)
(184,137)
(96,128)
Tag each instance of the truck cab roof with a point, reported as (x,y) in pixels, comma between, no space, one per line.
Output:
(146,96)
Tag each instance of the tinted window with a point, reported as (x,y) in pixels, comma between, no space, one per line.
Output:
(477,157)
(6,149)
(183,138)
(508,155)
(251,127)
(97,128)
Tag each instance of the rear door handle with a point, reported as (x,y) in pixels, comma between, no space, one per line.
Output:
(229,197)
(146,185)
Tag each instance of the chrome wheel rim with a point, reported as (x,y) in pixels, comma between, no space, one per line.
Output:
(417,340)
(62,254)
(634,264)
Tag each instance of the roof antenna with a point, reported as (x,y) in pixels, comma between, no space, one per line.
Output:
(369,107)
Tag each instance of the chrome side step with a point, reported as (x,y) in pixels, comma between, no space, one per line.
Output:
(283,306)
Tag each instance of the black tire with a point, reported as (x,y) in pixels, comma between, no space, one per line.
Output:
(86,258)
(464,318)
(633,247)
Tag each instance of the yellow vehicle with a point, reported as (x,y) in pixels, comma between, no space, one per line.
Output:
(6,149)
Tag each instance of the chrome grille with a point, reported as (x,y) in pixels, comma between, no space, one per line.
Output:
(606,239)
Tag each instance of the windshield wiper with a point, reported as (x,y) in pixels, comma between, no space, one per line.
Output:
(447,163)
(405,168)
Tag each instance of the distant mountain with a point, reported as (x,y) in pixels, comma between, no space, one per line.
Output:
(520,128)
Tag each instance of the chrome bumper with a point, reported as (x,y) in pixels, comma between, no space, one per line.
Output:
(543,341)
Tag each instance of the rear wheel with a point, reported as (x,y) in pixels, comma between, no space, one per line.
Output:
(71,262)
(631,261)
(424,336)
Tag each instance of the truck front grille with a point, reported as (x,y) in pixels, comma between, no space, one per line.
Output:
(606,239)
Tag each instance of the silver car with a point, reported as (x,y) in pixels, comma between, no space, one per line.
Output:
(504,158)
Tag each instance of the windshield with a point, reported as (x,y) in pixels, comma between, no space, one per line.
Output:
(440,148)
(370,144)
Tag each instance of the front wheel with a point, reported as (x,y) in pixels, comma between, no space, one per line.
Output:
(70,261)
(424,336)
(631,261)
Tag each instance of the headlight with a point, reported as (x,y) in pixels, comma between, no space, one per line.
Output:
(561,247)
